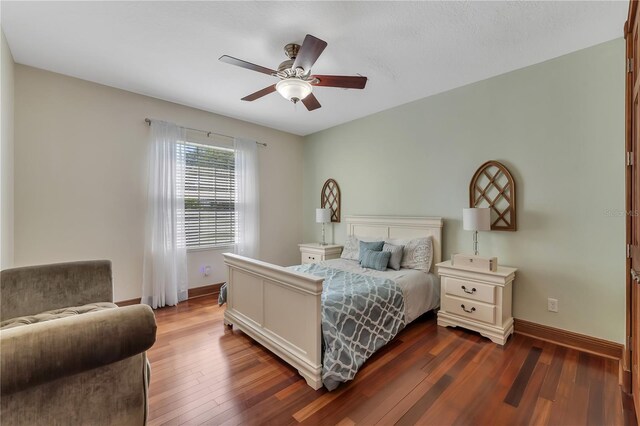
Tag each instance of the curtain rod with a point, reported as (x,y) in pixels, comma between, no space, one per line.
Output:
(207,132)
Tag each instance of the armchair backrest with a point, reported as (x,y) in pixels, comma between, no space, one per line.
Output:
(31,290)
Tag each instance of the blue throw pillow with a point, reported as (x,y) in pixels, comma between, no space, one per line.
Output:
(373,245)
(377,260)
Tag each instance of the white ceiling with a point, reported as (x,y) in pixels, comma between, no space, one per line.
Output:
(408,50)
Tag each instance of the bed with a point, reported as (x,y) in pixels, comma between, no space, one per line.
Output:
(281,308)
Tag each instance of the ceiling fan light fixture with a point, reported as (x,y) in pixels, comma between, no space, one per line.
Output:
(294,89)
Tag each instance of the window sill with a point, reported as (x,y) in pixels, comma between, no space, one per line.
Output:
(227,247)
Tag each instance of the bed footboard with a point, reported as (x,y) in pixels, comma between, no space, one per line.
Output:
(278,308)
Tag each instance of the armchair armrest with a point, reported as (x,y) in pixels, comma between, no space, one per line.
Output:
(34,289)
(42,352)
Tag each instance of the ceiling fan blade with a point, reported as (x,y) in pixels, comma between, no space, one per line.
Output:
(260,93)
(309,52)
(311,102)
(344,81)
(244,64)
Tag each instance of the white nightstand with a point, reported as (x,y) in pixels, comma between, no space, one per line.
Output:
(314,252)
(478,301)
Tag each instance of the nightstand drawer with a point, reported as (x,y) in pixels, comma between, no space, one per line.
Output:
(466,308)
(470,290)
(311,258)
(313,252)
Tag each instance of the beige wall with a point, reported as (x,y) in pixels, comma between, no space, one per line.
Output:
(80,181)
(6,155)
(558,126)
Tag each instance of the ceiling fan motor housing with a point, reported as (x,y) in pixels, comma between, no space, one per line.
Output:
(285,69)
(291,50)
(285,65)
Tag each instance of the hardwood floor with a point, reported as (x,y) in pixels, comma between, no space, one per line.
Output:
(204,373)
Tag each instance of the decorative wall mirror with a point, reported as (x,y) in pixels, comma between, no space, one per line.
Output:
(492,186)
(330,199)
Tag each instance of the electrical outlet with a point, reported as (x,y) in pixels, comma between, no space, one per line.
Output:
(552,305)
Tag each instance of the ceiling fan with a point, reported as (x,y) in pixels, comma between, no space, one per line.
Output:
(296,81)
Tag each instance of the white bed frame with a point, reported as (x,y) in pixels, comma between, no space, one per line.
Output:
(280,308)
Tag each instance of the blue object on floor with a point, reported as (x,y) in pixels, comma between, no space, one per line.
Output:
(222,297)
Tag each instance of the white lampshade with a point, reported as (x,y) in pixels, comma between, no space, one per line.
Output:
(323,215)
(476,219)
(294,89)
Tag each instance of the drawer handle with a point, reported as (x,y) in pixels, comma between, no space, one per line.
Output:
(473,290)
(468,311)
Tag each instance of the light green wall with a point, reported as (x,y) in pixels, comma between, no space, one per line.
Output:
(558,126)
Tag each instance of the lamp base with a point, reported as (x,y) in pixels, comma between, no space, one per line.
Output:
(475,242)
(324,242)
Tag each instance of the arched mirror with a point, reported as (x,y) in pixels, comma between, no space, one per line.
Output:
(330,199)
(492,186)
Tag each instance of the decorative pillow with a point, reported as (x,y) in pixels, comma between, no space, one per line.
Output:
(351,249)
(418,254)
(396,255)
(375,259)
(373,245)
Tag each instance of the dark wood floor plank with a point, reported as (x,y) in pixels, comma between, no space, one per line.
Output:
(205,373)
(582,373)
(529,399)
(513,356)
(519,385)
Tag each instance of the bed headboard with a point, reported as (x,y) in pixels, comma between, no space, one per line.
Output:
(399,227)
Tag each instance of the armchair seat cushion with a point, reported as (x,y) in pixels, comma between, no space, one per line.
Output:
(55,314)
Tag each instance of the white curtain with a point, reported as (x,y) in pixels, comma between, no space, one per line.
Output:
(247,198)
(164,277)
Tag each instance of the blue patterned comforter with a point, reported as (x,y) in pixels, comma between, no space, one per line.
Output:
(360,314)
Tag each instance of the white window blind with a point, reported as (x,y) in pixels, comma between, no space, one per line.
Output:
(209,195)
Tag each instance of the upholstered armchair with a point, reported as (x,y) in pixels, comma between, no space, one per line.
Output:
(68,355)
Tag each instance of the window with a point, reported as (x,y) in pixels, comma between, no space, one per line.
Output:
(209,196)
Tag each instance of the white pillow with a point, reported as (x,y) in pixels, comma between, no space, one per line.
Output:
(417,254)
(351,250)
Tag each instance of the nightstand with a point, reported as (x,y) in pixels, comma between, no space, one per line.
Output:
(477,300)
(314,252)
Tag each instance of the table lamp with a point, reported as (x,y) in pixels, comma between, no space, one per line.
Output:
(476,219)
(323,216)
